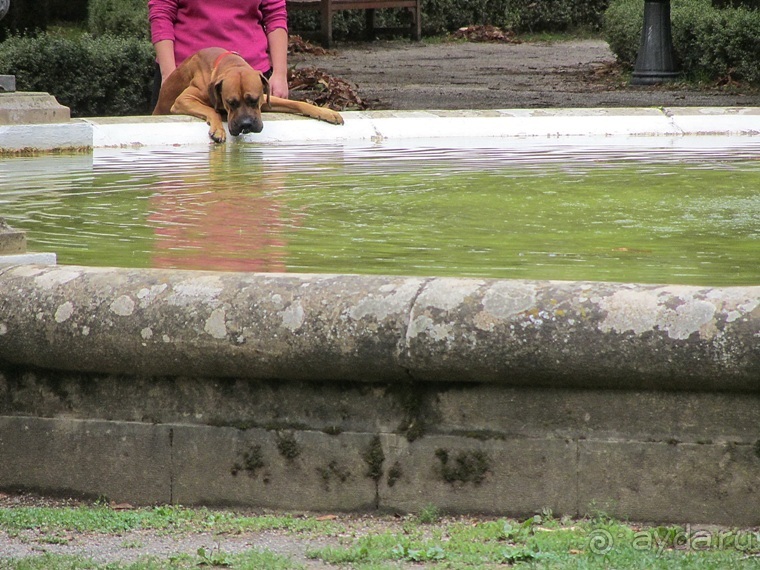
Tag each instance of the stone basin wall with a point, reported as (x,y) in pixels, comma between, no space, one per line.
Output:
(348,392)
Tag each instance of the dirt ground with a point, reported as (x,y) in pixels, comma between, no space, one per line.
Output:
(435,74)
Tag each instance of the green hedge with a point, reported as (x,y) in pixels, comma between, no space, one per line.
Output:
(127,18)
(108,76)
(441,16)
(708,43)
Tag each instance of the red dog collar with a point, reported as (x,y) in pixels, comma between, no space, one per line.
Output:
(222,56)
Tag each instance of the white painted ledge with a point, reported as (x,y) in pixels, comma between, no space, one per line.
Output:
(547,124)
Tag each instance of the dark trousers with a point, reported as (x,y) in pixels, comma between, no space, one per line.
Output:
(156,87)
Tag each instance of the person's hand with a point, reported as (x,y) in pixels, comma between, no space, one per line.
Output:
(278,84)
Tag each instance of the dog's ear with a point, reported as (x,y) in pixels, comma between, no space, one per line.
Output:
(265,83)
(215,95)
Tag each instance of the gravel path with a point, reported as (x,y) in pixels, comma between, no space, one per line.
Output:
(454,75)
(134,545)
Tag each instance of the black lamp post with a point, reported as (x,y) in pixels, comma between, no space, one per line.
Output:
(655,62)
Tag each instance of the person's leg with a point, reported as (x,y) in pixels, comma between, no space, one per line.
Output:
(156,88)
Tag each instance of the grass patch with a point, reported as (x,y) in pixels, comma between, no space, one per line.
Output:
(549,544)
(429,514)
(250,560)
(429,539)
(554,37)
(102,519)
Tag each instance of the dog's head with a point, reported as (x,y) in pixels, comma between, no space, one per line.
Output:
(239,92)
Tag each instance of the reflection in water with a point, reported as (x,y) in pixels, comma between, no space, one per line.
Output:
(467,207)
(216,219)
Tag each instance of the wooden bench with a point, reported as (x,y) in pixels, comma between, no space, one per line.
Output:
(328,8)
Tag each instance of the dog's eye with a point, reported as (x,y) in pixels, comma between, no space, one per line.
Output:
(233,103)
(252,101)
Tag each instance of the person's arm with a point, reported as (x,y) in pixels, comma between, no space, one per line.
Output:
(162,14)
(278,54)
(165,57)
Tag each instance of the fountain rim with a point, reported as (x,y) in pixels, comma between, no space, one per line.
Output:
(534,125)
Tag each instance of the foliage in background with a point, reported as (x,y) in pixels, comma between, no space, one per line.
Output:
(441,16)
(94,77)
(25,17)
(68,10)
(105,72)
(708,42)
(127,18)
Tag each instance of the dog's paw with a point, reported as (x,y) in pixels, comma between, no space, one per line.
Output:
(335,118)
(218,135)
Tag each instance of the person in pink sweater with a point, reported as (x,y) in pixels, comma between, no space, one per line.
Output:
(256,29)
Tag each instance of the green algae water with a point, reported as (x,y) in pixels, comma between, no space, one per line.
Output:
(483,209)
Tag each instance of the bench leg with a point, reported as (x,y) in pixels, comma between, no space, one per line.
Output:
(369,24)
(417,22)
(326,27)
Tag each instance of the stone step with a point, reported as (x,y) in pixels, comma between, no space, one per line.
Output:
(31,108)
(7,83)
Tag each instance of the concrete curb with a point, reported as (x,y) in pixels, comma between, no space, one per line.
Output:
(393,125)
(376,328)
(29,258)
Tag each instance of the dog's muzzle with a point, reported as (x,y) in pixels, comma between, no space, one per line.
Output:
(244,125)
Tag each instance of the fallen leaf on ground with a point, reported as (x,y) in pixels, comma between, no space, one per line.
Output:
(485,34)
(296,44)
(327,518)
(315,86)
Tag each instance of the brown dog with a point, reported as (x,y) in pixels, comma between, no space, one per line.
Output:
(215,81)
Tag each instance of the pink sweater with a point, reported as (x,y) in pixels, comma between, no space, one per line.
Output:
(237,25)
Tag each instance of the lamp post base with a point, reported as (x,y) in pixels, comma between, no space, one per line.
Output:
(655,62)
(653,77)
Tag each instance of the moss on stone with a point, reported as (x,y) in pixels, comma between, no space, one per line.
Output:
(374,458)
(288,446)
(394,474)
(466,467)
(251,461)
(333,471)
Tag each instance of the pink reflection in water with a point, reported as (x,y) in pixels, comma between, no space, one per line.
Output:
(212,223)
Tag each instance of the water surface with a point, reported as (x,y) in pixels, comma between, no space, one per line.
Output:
(483,208)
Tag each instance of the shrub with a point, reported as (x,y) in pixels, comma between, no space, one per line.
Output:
(622,25)
(94,77)
(707,42)
(720,43)
(557,15)
(127,18)
(441,16)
